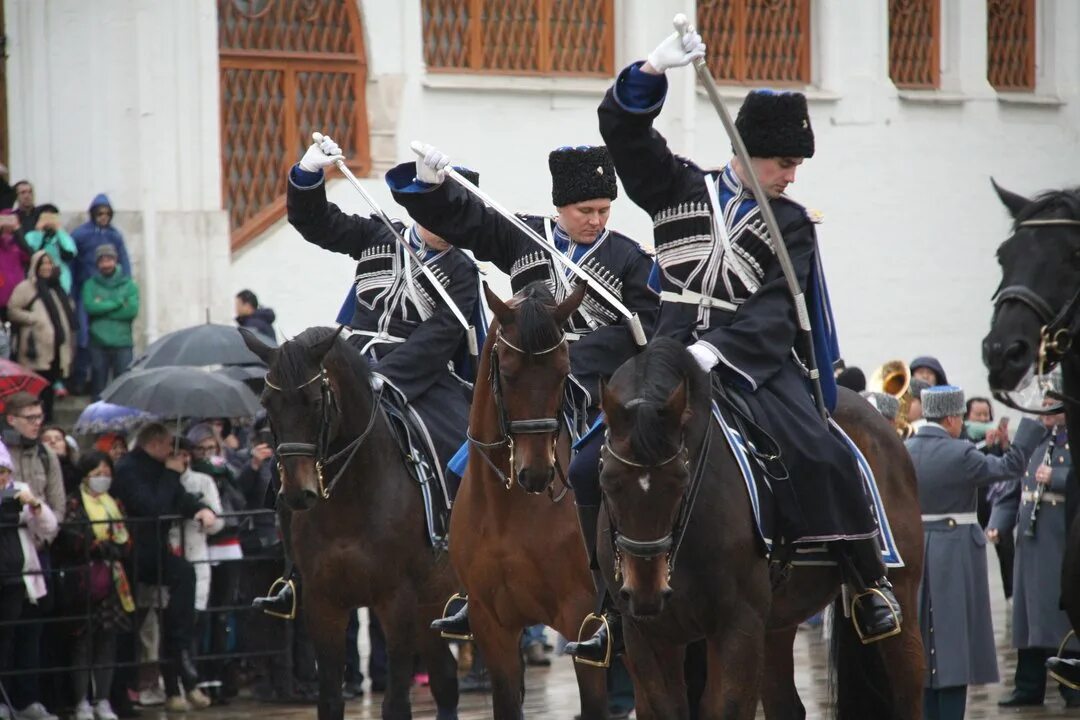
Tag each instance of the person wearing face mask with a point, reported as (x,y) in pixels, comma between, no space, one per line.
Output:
(92,547)
(223,546)
(954,602)
(43,315)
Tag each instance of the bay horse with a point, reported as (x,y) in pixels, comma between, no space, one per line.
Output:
(516,547)
(1034,330)
(671,485)
(357,538)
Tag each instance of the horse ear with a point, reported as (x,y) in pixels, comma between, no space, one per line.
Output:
(609,403)
(570,305)
(321,349)
(1015,203)
(678,405)
(498,308)
(263,351)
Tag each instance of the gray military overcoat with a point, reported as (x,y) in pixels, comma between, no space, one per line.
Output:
(954,601)
(1038,622)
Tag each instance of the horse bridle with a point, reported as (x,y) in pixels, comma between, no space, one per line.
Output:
(1058,329)
(670,543)
(318,451)
(509,427)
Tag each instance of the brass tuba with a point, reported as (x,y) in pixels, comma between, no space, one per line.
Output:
(894,378)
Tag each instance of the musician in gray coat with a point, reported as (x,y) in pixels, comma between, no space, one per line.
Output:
(954,602)
(1035,506)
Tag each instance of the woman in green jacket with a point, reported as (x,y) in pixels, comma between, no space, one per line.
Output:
(111,299)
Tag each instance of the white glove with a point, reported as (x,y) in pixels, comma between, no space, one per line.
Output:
(431,168)
(705,357)
(321,155)
(677,50)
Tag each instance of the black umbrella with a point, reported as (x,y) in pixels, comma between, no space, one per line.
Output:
(199,346)
(182,392)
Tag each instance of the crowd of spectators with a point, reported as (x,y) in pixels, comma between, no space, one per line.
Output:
(67,300)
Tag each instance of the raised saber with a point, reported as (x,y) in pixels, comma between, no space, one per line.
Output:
(682,26)
(470,331)
(632,320)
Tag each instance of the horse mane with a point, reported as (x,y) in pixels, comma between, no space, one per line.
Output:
(1049,201)
(293,366)
(658,371)
(536,327)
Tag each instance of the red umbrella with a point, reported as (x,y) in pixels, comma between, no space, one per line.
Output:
(15,378)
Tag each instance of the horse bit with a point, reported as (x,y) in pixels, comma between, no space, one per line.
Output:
(319,450)
(1056,334)
(508,428)
(669,544)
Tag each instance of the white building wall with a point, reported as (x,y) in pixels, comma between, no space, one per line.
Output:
(121,97)
(902,177)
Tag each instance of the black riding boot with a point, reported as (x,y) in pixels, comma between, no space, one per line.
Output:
(455,625)
(874,608)
(607,641)
(280,601)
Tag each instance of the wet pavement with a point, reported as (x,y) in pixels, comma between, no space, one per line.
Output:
(552,692)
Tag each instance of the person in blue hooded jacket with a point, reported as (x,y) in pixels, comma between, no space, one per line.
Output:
(89,236)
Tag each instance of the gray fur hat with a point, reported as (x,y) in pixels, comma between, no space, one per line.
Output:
(916,388)
(885,404)
(942,401)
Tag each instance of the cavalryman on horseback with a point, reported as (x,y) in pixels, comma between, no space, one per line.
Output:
(583,186)
(400,322)
(724,294)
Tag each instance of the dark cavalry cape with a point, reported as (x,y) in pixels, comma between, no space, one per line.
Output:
(604,342)
(752,329)
(417,338)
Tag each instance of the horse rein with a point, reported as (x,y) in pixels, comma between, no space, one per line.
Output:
(670,543)
(319,451)
(508,427)
(1057,333)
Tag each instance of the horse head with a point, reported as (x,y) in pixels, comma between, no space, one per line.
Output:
(656,406)
(299,400)
(528,363)
(1035,314)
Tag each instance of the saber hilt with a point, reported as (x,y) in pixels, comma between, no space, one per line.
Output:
(683,26)
(632,319)
(470,331)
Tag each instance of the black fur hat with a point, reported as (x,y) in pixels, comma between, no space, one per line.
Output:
(776,124)
(581,173)
(470,175)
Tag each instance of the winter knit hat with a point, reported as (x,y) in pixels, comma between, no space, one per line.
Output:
(776,124)
(199,432)
(581,173)
(942,401)
(106,250)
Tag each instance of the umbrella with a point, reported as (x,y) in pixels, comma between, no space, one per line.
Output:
(15,378)
(182,392)
(103,417)
(199,346)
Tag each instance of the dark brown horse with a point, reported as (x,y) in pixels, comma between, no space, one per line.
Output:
(1034,330)
(357,532)
(517,551)
(671,485)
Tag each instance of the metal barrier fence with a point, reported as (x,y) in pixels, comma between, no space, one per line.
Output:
(55,580)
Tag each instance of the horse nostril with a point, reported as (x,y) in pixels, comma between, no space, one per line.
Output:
(310,497)
(624,594)
(1016,352)
(665,594)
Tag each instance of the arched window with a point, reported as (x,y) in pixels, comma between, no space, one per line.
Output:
(288,67)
